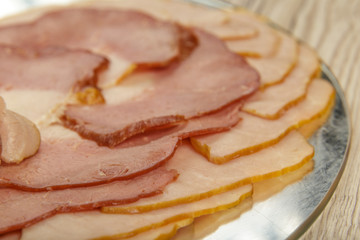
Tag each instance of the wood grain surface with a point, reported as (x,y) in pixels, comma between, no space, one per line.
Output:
(332,28)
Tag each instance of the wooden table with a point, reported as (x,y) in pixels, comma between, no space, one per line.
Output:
(332,27)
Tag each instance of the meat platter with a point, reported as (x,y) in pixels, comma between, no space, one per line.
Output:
(285,214)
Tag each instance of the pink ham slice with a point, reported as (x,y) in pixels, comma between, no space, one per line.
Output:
(199,178)
(273,102)
(264,44)
(208,80)
(50,68)
(220,148)
(69,161)
(132,35)
(274,69)
(223,24)
(20,209)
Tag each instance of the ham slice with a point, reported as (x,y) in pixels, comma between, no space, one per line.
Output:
(208,80)
(273,101)
(199,178)
(223,24)
(20,209)
(49,73)
(220,148)
(48,68)
(244,32)
(274,69)
(94,224)
(207,224)
(119,34)
(165,232)
(264,44)
(65,160)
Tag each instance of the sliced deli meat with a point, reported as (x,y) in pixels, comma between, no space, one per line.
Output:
(264,44)
(208,80)
(139,86)
(224,24)
(65,160)
(199,178)
(272,102)
(20,208)
(207,224)
(164,232)
(48,68)
(45,75)
(220,148)
(94,224)
(243,32)
(274,69)
(117,33)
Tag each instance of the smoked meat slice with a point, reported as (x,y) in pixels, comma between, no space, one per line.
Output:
(65,160)
(132,35)
(20,209)
(209,79)
(48,68)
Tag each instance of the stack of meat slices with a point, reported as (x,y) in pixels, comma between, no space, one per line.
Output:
(151,114)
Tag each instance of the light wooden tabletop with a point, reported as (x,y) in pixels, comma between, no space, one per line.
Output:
(332,28)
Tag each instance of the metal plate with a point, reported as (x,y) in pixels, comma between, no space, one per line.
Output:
(289,213)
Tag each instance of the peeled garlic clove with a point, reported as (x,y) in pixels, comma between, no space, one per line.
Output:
(20,138)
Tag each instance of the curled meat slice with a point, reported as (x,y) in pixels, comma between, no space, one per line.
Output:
(20,208)
(208,80)
(272,102)
(35,74)
(48,68)
(254,133)
(129,37)
(94,224)
(274,69)
(223,24)
(66,160)
(264,44)
(199,178)
(244,32)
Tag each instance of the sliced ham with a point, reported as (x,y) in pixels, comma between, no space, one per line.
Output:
(223,24)
(66,160)
(205,225)
(199,178)
(220,148)
(244,32)
(272,102)
(94,224)
(48,68)
(264,44)
(49,73)
(119,34)
(164,232)
(274,69)
(20,209)
(209,79)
